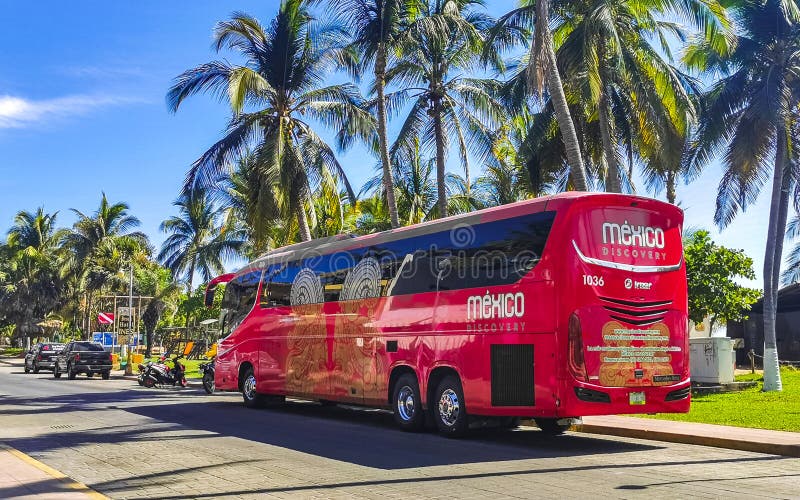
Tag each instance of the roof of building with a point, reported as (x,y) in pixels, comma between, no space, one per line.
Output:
(788,300)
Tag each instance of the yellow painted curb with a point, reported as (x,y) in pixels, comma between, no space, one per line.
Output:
(68,481)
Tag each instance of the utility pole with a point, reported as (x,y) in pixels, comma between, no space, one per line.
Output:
(128,367)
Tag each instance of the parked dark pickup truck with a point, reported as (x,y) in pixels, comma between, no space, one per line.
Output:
(42,356)
(82,357)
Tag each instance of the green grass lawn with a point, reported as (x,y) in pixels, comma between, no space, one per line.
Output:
(748,408)
(12,351)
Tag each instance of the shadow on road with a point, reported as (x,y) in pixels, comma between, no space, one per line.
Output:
(360,436)
(369,437)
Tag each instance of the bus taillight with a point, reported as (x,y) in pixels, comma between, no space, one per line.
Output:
(577,365)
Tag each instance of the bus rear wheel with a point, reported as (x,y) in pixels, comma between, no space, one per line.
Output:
(449,408)
(551,427)
(407,402)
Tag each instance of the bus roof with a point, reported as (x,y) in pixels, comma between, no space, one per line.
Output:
(343,242)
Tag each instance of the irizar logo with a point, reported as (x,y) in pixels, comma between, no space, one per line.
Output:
(633,236)
(638,285)
(495,306)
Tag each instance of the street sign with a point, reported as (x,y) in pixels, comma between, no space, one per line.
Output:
(126,311)
(105,318)
(105,338)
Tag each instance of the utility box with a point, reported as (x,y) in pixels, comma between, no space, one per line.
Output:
(711,360)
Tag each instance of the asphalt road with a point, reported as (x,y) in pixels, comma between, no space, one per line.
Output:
(130,442)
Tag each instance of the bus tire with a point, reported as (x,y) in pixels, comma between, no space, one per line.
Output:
(550,426)
(250,397)
(449,408)
(509,422)
(407,404)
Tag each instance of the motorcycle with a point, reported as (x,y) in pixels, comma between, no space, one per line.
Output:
(158,373)
(207,369)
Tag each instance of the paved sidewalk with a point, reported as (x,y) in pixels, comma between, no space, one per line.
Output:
(720,436)
(24,477)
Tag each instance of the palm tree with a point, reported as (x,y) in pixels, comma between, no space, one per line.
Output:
(285,65)
(256,208)
(109,221)
(637,97)
(445,40)
(371,215)
(748,118)
(197,242)
(30,287)
(792,272)
(377,26)
(541,71)
(98,247)
(35,231)
(504,179)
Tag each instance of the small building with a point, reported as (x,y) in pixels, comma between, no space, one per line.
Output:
(787,328)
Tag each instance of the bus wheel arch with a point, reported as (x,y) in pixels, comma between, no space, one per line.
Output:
(247,386)
(243,369)
(394,376)
(406,402)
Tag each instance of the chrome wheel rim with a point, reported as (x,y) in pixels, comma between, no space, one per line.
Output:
(449,407)
(249,387)
(405,403)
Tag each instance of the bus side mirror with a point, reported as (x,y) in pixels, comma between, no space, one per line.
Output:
(208,300)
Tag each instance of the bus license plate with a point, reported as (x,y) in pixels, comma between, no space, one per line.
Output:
(636,398)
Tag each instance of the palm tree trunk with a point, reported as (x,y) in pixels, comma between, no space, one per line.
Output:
(609,155)
(388,183)
(88,316)
(438,130)
(772,375)
(189,288)
(670,182)
(302,223)
(554,85)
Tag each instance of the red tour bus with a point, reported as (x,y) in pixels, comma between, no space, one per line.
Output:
(552,308)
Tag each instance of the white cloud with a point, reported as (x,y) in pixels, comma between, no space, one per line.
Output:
(17,112)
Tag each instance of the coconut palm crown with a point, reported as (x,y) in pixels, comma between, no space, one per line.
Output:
(272,96)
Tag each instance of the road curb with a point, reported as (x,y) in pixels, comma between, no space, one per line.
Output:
(60,476)
(789,450)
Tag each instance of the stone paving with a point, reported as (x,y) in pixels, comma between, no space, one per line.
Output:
(128,442)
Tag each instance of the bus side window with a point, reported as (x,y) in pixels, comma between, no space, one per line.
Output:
(280,286)
(239,298)
(420,276)
(332,270)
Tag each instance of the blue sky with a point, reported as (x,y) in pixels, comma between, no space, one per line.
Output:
(82,111)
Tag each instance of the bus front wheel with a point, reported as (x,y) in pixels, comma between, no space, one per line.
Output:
(251,398)
(408,412)
(449,408)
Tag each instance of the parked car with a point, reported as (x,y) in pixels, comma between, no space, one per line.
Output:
(42,356)
(82,357)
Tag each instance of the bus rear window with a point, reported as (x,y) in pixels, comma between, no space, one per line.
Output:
(628,235)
